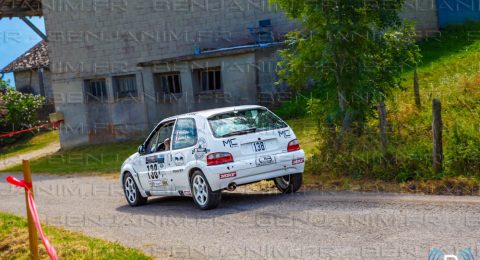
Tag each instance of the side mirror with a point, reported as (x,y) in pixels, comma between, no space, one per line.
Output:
(141,149)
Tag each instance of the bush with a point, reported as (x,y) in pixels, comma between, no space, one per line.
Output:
(463,154)
(295,108)
(21,111)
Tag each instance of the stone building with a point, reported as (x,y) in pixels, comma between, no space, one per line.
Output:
(119,67)
(31,72)
(32,75)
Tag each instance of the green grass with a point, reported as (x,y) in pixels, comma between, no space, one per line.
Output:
(69,245)
(30,143)
(105,158)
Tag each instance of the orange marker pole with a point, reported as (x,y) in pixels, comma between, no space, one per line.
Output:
(32,231)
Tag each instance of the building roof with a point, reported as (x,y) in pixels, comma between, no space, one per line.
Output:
(19,8)
(221,52)
(36,57)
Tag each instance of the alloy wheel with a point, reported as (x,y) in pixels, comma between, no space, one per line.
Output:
(200,190)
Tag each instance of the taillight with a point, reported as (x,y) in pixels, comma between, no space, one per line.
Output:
(219,158)
(293,146)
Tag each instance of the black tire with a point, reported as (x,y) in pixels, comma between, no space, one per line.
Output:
(132,194)
(289,183)
(203,196)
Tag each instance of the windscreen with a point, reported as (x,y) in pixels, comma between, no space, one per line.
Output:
(244,122)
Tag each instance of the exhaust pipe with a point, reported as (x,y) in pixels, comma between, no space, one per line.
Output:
(232,187)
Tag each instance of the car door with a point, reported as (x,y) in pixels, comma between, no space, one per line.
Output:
(153,165)
(184,138)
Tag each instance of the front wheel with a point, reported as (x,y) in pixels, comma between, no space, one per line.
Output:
(203,196)
(132,194)
(289,183)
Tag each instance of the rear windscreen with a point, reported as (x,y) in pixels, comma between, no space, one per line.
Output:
(244,122)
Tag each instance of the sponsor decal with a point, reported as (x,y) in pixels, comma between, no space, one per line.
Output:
(201,150)
(151,159)
(284,133)
(178,171)
(155,159)
(185,193)
(179,159)
(161,159)
(230,143)
(228,175)
(298,161)
(265,160)
(158,183)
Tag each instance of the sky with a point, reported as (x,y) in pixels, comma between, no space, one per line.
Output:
(15,39)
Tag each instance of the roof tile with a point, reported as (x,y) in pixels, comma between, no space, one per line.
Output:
(36,57)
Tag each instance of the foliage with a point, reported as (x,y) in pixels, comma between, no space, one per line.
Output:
(21,110)
(351,51)
(449,71)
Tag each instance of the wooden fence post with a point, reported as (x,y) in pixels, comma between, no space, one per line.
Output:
(437,136)
(32,231)
(416,89)
(382,115)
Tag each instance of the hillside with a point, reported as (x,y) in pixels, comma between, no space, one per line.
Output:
(449,71)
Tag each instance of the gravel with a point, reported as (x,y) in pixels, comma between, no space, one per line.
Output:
(258,225)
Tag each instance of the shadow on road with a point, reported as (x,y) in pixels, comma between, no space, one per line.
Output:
(232,203)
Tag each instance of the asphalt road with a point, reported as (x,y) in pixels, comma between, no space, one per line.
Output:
(253,225)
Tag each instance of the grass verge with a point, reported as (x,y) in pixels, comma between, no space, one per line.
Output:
(69,245)
(104,158)
(30,143)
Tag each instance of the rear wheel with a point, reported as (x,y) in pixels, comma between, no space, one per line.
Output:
(132,194)
(289,183)
(203,196)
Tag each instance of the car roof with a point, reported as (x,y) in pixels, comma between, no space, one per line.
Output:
(210,112)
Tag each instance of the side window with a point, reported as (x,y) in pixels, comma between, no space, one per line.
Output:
(185,134)
(164,137)
(160,141)
(151,146)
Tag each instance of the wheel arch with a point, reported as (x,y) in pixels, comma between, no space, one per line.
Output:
(135,178)
(192,170)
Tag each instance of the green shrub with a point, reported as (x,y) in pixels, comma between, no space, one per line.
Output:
(295,108)
(21,111)
(463,154)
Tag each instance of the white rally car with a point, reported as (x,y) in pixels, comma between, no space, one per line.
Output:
(203,153)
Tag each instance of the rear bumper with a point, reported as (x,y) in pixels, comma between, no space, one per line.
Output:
(247,171)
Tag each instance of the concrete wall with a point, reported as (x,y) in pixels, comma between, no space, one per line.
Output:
(92,39)
(423,13)
(29,79)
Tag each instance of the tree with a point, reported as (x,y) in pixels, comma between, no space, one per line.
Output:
(351,51)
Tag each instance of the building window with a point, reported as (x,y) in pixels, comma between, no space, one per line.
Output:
(210,79)
(168,83)
(95,90)
(125,86)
